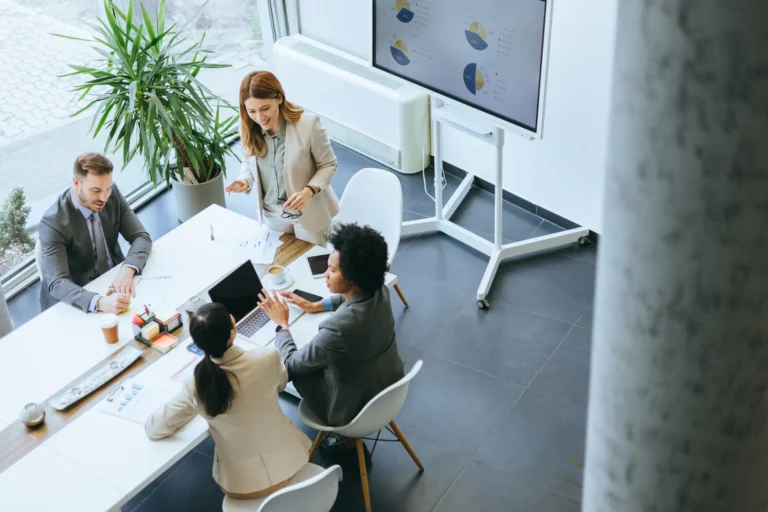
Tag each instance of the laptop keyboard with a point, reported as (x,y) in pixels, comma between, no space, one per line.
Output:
(253,323)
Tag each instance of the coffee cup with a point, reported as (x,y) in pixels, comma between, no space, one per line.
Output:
(109,328)
(277,275)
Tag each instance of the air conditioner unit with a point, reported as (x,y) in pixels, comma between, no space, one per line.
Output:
(361,108)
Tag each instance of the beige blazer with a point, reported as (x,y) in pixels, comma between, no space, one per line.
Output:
(309,160)
(257,446)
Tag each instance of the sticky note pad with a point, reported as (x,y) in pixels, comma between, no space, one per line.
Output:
(168,318)
(150,331)
(164,343)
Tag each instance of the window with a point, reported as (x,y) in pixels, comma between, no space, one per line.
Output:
(233,30)
(39,139)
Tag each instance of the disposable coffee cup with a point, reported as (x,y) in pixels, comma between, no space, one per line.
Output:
(277,275)
(109,328)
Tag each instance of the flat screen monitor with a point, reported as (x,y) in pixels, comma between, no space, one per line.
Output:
(487,54)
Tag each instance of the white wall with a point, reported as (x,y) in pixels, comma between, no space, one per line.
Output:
(343,24)
(564,172)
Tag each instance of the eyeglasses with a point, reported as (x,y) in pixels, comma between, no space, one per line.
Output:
(289,215)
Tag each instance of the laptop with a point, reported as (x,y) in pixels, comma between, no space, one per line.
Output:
(239,292)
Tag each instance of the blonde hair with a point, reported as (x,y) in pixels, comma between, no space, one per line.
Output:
(262,85)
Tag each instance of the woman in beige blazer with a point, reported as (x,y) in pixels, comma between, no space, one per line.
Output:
(258,449)
(287,158)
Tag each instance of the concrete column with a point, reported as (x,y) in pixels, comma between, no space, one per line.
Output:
(678,408)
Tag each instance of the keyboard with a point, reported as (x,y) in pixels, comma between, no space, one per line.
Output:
(252,323)
(96,378)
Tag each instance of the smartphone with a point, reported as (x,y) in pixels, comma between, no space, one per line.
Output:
(195,349)
(311,297)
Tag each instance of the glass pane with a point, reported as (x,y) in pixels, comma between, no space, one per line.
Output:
(38,139)
(232,30)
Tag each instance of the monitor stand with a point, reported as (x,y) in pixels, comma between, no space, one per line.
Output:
(492,134)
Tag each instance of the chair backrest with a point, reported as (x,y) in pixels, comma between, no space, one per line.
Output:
(374,197)
(315,494)
(382,408)
(39,258)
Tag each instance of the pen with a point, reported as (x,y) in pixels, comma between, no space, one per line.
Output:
(211,231)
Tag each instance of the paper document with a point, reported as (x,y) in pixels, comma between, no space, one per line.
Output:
(258,245)
(151,289)
(135,401)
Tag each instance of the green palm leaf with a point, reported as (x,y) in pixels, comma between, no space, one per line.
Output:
(144,92)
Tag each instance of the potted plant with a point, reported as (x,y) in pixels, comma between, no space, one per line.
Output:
(149,101)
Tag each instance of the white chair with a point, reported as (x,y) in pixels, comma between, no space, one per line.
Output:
(376,415)
(374,197)
(39,258)
(313,489)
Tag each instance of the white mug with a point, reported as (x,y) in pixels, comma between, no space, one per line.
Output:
(277,275)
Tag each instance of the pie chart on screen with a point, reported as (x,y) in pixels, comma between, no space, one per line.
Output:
(473,78)
(400,53)
(476,36)
(404,12)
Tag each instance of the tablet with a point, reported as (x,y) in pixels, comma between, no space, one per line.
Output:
(318,265)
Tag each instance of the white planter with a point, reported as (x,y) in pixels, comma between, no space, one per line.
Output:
(192,199)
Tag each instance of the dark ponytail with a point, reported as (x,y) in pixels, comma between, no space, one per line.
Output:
(210,328)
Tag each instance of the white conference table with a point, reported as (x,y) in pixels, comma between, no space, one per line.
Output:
(99,461)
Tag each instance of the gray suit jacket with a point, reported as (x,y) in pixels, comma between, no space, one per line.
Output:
(68,261)
(353,357)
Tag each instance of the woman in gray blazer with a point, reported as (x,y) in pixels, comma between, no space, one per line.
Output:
(354,355)
(287,158)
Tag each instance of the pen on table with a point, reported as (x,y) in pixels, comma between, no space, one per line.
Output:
(211,231)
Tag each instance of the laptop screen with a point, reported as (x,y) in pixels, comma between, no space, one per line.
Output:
(239,291)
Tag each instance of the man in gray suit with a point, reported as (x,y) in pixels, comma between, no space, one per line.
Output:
(78,241)
(354,355)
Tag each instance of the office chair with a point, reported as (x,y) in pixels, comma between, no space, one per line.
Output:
(376,415)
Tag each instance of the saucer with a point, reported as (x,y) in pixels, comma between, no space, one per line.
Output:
(287,284)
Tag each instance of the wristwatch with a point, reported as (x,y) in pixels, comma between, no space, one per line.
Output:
(278,328)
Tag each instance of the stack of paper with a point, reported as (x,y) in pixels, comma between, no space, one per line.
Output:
(258,245)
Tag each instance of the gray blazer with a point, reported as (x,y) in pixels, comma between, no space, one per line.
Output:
(68,261)
(353,357)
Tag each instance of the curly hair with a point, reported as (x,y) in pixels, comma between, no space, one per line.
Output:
(362,255)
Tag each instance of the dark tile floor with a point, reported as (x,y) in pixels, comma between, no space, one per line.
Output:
(497,414)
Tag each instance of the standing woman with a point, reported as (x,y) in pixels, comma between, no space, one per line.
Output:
(288,159)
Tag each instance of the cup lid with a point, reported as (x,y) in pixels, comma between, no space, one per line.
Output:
(31,412)
(109,321)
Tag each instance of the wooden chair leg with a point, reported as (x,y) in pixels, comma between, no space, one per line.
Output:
(405,444)
(363,474)
(400,293)
(316,445)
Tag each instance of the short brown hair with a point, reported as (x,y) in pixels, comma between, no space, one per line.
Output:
(94,163)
